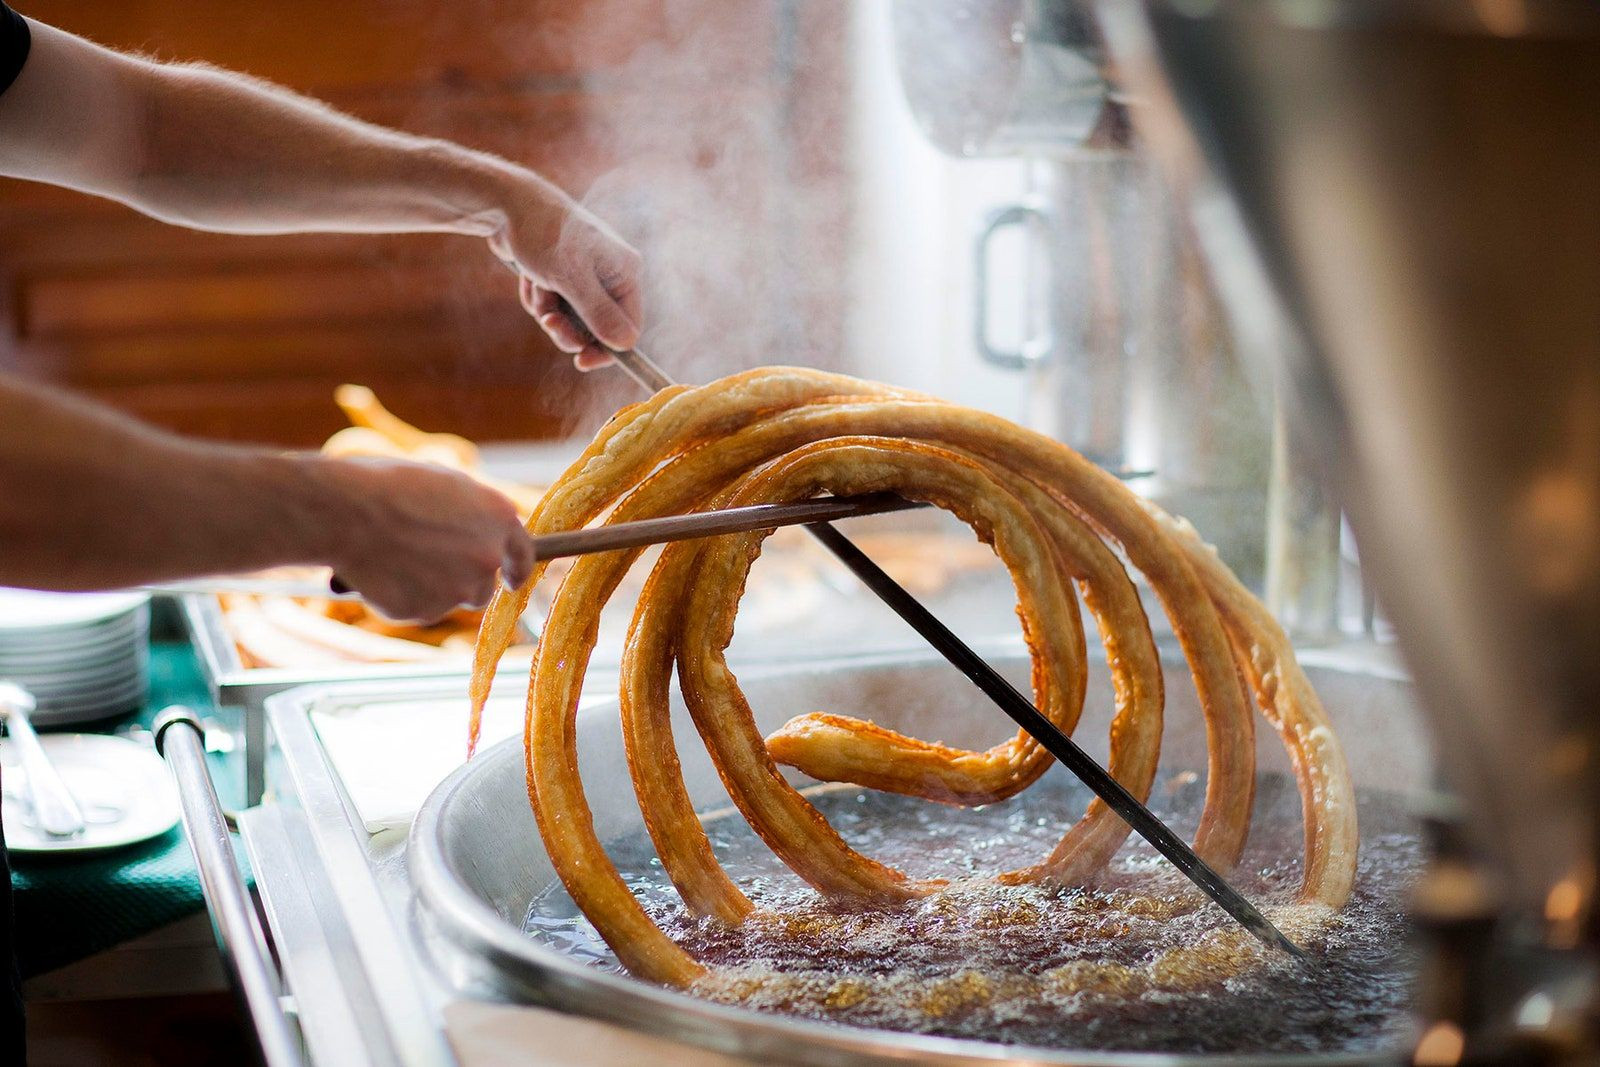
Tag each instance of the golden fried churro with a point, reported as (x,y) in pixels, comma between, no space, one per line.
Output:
(360,405)
(780,434)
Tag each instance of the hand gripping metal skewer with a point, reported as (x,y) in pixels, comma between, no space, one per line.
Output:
(1021,710)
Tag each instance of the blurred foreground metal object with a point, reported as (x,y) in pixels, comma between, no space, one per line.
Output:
(1414,185)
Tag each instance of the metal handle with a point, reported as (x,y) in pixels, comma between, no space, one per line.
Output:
(242,945)
(1034,350)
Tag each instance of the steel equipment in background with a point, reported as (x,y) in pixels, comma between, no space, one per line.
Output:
(1124,353)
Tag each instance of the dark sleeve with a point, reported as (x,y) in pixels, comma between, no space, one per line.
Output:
(14,42)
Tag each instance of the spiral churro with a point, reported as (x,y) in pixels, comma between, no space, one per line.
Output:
(779,434)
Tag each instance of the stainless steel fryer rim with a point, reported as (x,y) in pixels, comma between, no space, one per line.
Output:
(558,981)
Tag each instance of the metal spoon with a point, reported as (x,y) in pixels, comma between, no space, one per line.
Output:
(54,809)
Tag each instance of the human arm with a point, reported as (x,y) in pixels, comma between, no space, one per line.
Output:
(215,150)
(93,500)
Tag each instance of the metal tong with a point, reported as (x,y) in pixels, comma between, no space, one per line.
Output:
(636,534)
(1021,710)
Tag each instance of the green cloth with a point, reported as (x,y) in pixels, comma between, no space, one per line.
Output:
(72,907)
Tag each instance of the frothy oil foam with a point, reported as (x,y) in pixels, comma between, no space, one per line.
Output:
(1137,959)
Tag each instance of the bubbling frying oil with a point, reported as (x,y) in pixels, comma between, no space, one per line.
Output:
(1136,960)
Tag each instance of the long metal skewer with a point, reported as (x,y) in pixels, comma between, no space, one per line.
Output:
(635,534)
(642,532)
(1062,747)
(1021,710)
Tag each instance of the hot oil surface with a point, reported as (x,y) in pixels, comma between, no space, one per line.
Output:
(1135,960)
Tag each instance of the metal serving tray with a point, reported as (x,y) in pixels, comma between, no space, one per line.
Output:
(234,685)
(375,939)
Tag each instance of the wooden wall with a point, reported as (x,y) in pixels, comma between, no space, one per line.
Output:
(708,132)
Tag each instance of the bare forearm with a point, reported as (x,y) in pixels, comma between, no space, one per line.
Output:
(214,150)
(217,150)
(95,500)
(226,152)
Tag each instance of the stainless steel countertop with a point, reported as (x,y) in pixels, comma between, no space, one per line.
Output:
(338,903)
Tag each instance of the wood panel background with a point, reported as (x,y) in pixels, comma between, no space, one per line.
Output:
(709,133)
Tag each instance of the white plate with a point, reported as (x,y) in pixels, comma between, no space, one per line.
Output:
(104,703)
(82,703)
(20,628)
(73,665)
(75,640)
(104,661)
(99,711)
(41,658)
(29,609)
(45,663)
(16,636)
(86,675)
(133,660)
(88,696)
(123,788)
(78,659)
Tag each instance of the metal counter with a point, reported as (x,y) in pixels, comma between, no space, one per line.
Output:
(339,906)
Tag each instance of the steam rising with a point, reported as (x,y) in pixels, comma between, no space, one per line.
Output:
(723,130)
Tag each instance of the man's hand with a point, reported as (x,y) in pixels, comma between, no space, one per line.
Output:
(95,500)
(578,278)
(417,541)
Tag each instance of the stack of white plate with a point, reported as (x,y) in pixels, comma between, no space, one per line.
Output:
(83,656)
